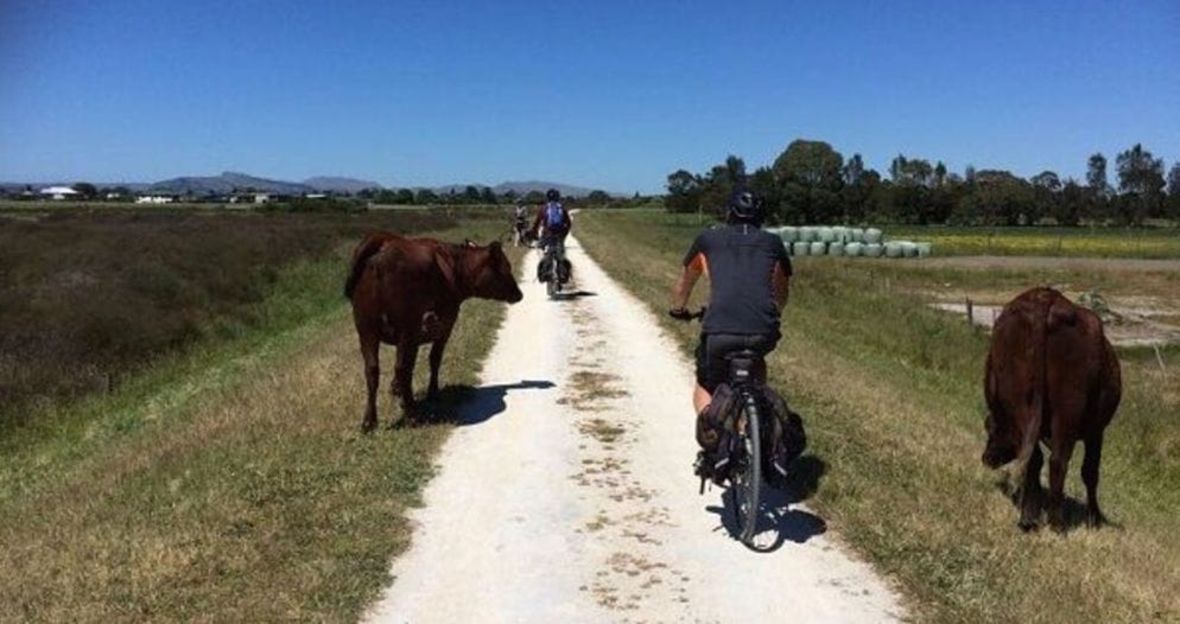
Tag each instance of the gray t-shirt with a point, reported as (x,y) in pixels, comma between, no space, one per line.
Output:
(740,260)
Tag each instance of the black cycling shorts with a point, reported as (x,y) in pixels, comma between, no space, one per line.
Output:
(713,368)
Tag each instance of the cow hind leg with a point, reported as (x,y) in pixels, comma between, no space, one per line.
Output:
(370,349)
(1030,491)
(1058,464)
(1093,459)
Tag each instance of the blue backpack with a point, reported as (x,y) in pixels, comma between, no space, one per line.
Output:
(554,216)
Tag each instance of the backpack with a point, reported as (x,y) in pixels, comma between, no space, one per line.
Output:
(554,216)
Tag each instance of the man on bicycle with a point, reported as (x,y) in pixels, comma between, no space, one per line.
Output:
(551,227)
(749,276)
(520,223)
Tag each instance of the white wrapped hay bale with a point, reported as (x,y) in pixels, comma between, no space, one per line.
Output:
(872,235)
(893,249)
(909,249)
(856,235)
(872,250)
(817,248)
(800,248)
(826,234)
(853,249)
(836,248)
(841,233)
(789,234)
(806,234)
(924,250)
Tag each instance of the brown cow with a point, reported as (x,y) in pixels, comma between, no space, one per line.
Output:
(407,292)
(1051,376)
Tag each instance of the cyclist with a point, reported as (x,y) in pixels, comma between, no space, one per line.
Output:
(551,227)
(520,223)
(749,278)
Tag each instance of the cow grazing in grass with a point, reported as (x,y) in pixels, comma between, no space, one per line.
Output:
(1051,376)
(407,292)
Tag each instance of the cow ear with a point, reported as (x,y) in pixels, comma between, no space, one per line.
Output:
(495,245)
(468,242)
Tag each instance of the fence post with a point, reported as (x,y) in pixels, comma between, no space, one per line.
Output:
(970,313)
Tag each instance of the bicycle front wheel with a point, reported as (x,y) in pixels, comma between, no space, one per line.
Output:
(747,481)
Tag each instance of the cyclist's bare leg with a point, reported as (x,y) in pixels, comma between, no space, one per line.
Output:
(700,399)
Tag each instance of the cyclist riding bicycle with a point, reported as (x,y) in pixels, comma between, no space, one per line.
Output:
(749,277)
(520,223)
(551,226)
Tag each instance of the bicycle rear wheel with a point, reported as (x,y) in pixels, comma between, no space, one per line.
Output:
(746,483)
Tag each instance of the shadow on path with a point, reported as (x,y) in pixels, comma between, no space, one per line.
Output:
(573,294)
(777,516)
(467,405)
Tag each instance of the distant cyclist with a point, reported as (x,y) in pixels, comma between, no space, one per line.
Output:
(551,226)
(520,224)
(749,276)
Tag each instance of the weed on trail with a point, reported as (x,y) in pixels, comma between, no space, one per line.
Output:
(893,403)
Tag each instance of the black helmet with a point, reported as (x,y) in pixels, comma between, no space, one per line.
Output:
(552,195)
(744,207)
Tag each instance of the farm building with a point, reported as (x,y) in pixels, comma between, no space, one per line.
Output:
(155,199)
(59,193)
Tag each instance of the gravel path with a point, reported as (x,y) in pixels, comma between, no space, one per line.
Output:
(568,495)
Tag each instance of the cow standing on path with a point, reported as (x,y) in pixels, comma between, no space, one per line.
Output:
(1051,376)
(407,292)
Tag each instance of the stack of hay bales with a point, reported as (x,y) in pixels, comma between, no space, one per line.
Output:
(854,242)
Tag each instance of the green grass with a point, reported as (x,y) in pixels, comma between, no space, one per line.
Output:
(228,482)
(891,396)
(1100,242)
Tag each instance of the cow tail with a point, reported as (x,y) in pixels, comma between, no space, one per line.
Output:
(360,258)
(1051,316)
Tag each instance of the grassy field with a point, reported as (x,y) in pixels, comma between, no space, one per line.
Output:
(1099,242)
(87,296)
(226,481)
(890,392)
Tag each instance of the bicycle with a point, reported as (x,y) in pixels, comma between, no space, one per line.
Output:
(556,267)
(747,446)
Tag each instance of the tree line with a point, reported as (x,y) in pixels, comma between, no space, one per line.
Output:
(470,195)
(811,182)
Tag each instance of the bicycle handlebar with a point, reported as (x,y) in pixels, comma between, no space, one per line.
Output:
(682,314)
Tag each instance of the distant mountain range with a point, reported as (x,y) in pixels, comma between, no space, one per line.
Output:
(231,181)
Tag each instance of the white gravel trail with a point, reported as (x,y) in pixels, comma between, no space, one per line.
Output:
(569,495)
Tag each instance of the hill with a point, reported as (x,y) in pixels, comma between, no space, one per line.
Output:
(228,182)
(341,184)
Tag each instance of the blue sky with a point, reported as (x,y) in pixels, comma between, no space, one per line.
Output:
(605,94)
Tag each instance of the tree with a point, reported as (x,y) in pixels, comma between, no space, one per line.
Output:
(1046,191)
(86,190)
(853,170)
(1174,192)
(404,196)
(1096,175)
(471,194)
(598,197)
(719,183)
(487,195)
(1142,177)
(534,197)
(426,197)
(684,192)
(808,175)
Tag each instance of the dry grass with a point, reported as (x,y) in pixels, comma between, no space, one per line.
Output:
(229,483)
(87,296)
(890,393)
